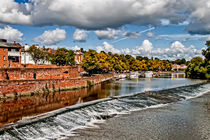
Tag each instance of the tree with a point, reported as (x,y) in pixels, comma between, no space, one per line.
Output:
(37,54)
(140,58)
(102,63)
(89,61)
(199,68)
(63,57)
(180,61)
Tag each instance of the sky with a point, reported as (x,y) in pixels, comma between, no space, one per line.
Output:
(167,29)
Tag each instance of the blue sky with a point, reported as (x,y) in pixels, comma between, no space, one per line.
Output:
(62,23)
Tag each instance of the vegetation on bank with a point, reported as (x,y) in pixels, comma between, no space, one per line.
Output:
(103,62)
(199,67)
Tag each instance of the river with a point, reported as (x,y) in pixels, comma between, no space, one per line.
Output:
(62,125)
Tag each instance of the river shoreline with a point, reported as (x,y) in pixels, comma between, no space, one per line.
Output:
(66,121)
(187,119)
(18,88)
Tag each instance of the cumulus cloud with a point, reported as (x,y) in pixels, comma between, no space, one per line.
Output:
(11,34)
(51,37)
(150,34)
(111,34)
(200,16)
(14,13)
(98,14)
(80,35)
(107,34)
(176,51)
(106,47)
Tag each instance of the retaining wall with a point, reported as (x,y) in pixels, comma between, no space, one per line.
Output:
(39,73)
(27,86)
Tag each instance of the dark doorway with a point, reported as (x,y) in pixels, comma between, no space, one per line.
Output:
(34,76)
(7,76)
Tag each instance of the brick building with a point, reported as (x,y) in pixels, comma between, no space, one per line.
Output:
(78,57)
(10,54)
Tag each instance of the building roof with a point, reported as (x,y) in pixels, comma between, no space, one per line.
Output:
(8,45)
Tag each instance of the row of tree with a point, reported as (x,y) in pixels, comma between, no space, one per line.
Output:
(199,67)
(102,62)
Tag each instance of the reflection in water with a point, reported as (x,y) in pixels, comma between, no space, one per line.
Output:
(13,110)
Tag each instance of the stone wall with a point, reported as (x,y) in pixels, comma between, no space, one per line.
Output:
(27,86)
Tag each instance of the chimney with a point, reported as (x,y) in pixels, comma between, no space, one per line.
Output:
(49,50)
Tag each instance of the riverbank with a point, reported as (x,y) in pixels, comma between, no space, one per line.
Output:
(188,119)
(15,107)
(19,88)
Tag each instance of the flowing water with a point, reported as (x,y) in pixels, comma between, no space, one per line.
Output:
(151,93)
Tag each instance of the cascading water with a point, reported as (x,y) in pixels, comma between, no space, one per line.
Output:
(63,125)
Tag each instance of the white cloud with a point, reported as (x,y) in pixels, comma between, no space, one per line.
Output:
(150,34)
(100,14)
(107,34)
(11,34)
(129,34)
(165,22)
(176,51)
(106,47)
(14,13)
(51,37)
(75,48)
(183,37)
(80,35)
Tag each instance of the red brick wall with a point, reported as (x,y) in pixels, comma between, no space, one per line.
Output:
(39,73)
(20,86)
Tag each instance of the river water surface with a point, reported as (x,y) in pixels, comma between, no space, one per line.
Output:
(163,91)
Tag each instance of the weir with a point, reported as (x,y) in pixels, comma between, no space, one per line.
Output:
(62,123)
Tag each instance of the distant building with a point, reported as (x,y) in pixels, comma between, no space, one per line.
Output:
(10,54)
(181,67)
(27,59)
(78,57)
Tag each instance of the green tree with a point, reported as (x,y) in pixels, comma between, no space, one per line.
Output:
(89,61)
(37,54)
(196,68)
(63,57)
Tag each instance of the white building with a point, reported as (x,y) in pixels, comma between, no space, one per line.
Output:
(27,59)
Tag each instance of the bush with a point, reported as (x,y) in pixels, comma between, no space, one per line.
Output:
(90,83)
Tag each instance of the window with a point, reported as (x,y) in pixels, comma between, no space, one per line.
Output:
(4,58)
(4,49)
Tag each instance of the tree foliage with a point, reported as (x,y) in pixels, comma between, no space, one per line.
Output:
(63,57)
(60,57)
(199,68)
(37,54)
(102,62)
(180,61)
